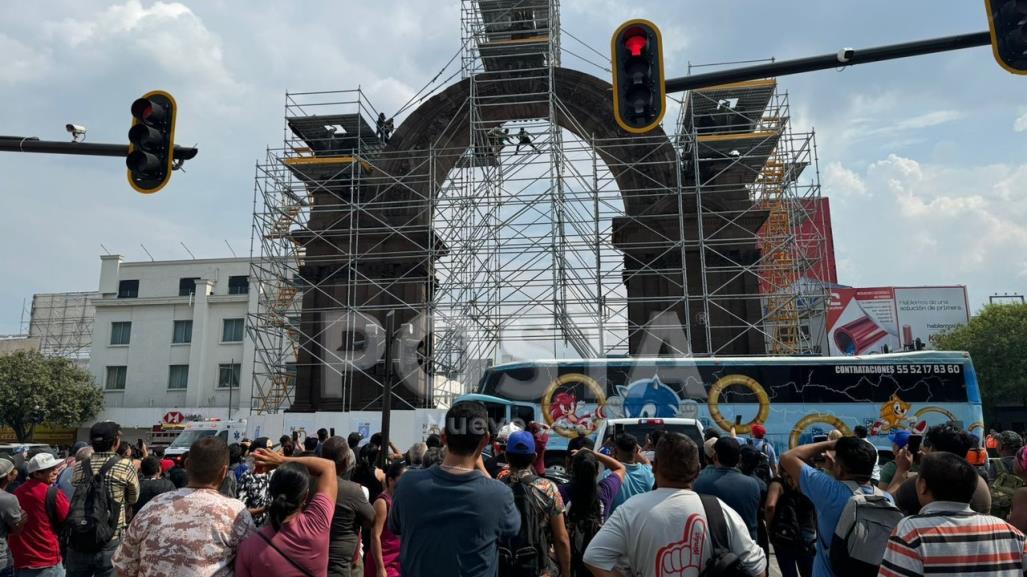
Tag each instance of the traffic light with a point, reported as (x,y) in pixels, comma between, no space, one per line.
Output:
(1007,20)
(638,87)
(151,142)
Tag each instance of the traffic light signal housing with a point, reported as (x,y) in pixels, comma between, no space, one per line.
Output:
(151,142)
(1007,20)
(636,53)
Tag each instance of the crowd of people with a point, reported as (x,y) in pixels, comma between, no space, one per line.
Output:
(469,502)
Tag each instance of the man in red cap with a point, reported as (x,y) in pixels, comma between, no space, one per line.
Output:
(759,441)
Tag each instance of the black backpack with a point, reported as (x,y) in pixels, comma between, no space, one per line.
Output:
(762,470)
(93,518)
(722,563)
(581,531)
(525,555)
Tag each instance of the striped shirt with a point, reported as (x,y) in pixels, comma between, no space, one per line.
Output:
(948,538)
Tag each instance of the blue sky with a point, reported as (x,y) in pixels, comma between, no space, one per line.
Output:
(923,159)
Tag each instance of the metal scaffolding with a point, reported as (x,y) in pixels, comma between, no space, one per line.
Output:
(63,323)
(526,226)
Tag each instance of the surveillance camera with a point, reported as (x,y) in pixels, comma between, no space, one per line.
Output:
(78,132)
(845,55)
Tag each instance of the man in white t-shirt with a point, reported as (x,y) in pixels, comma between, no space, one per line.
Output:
(663,533)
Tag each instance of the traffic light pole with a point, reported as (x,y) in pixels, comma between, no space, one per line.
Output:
(33,144)
(841,59)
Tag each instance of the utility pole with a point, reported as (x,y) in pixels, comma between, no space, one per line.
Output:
(390,333)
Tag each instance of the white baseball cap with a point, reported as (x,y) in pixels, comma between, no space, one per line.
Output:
(42,462)
(505,432)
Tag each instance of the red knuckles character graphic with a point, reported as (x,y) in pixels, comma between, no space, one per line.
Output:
(684,558)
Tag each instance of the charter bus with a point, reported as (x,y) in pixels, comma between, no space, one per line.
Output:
(795,398)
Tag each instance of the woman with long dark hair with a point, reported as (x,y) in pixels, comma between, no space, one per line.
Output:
(295,541)
(383,560)
(589,503)
(367,472)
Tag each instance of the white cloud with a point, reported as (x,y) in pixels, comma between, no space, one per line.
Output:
(842,182)
(169,34)
(20,63)
(933,223)
(1020,125)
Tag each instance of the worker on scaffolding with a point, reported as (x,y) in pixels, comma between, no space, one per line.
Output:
(385,127)
(497,139)
(523,138)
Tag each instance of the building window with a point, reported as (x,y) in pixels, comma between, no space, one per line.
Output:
(116,378)
(128,289)
(187,286)
(121,333)
(183,332)
(238,285)
(229,375)
(232,332)
(178,376)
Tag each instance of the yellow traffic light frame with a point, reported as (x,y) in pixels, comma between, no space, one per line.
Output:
(613,65)
(994,40)
(171,152)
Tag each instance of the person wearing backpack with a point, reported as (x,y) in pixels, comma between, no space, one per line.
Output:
(840,497)
(542,521)
(105,486)
(589,504)
(947,538)
(672,530)
(36,547)
(760,442)
(792,526)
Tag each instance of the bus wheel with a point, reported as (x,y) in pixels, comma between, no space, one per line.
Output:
(744,381)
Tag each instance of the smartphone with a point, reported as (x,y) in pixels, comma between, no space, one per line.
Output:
(819,438)
(913,446)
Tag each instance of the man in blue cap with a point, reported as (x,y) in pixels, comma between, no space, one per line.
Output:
(543,496)
(898,441)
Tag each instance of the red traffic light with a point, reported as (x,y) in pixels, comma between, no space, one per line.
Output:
(636,41)
(151,140)
(639,90)
(148,111)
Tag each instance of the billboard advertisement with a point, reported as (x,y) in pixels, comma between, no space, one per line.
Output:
(888,319)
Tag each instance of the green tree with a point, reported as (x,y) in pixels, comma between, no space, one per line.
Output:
(997,342)
(36,389)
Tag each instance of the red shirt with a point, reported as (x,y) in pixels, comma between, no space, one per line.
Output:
(304,539)
(166,465)
(36,546)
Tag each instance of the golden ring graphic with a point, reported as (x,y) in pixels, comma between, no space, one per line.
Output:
(566,379)
(747,382)
(975,425)
(824,418)
(938,410)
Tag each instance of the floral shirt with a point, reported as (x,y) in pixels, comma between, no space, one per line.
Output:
(252,490)
(545,496)
(184,533)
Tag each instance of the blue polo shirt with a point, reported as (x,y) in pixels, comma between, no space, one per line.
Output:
(739,491)
(638,478)
(829,496)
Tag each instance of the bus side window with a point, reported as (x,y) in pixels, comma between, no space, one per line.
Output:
(223,435)
(497,416)
(524,414)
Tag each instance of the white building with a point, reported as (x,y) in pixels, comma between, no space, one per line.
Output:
(171,336)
